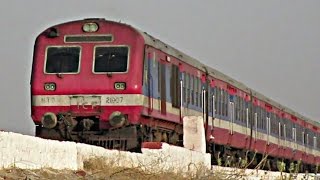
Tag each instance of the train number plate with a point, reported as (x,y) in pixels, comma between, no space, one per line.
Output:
(114,99)
(86,102)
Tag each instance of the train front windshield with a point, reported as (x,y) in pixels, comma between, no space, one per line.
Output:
(62,60)
(111,59)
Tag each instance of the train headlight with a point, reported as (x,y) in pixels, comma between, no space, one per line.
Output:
(120,85)
(117,119)
(49,120)
(50,86)
(90,27)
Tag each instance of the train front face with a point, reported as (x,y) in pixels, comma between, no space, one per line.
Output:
(86,77)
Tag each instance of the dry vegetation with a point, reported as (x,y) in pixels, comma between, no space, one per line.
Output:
(97,168)
(108,168)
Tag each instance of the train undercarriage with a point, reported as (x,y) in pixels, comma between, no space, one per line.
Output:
(126,137)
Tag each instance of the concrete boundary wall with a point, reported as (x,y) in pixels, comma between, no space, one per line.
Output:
(29,152)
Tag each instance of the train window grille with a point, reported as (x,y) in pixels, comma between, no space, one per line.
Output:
(62,60)
(111,59)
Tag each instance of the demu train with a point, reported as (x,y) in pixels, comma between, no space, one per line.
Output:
(112,85)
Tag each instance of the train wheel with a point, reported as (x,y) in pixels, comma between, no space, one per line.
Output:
(157,136)
(174,138)
(164,137)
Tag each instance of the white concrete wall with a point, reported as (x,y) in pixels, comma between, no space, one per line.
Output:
(29,152)
(194,133)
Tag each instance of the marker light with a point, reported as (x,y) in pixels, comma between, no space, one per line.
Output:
(90,27)
(49,86)
(120,85)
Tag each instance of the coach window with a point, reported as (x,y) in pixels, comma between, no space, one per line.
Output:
(236,102)
(200,93)
(288,129)
(264,119)
(111,59)
(196,90)
(175,86)
(188,88)
(310,138)
(298,133)
(183,87)
(243,112)
(275,119)
(226,103)
(218,101)
(62,60)
(318,142)
(226,99)
(223,103)
(192,88)
(215,100)
(259,117)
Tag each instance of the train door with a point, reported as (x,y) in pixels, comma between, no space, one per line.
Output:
(162,84)
(176,88)
(148,79)
(231,111)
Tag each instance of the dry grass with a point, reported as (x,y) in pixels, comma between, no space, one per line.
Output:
(98,168)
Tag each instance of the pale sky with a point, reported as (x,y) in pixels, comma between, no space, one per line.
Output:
(271,46)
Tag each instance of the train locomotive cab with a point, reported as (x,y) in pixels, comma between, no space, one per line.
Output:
(87,82)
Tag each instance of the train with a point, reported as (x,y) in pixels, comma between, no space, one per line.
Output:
(110,84)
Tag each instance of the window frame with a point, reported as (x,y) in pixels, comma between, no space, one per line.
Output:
(94,59)
(65,46)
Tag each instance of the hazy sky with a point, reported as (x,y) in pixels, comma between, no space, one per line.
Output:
(271,46)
